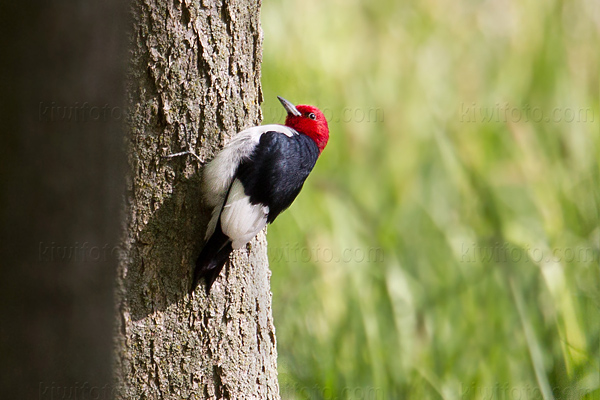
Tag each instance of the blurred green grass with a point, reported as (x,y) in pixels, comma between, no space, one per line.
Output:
(446,246)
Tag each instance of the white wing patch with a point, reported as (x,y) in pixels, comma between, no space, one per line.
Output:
(219,173)
(240,219)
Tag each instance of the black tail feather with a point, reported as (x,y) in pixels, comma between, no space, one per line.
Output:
(211,260)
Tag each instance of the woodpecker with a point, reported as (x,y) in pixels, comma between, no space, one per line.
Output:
(253,179)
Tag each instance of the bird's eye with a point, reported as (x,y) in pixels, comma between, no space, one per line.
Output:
(312,116)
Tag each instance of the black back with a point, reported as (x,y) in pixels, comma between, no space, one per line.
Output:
(277,169)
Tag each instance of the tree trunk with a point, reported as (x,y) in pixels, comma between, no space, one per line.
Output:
(62,74)
(194,82)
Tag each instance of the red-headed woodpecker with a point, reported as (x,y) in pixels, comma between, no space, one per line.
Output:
(253,179)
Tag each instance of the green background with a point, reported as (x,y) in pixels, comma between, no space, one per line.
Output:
(446,245)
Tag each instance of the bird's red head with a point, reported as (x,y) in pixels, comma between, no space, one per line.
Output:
(308,120)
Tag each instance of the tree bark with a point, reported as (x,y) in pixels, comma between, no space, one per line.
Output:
(194,82)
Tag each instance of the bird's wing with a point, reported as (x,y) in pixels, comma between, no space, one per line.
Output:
(277,170)
(218,174)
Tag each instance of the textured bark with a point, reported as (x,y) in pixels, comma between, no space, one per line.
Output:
(194,82)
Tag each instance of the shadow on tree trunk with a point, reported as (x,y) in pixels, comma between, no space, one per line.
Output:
(163,258)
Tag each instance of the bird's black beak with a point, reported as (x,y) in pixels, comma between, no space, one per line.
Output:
(289,107)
